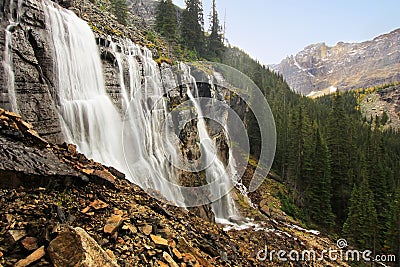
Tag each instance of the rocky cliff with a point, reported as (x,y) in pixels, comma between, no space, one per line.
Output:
(344,66)
(383,104)
(31,58)
(144,9)
(30,76)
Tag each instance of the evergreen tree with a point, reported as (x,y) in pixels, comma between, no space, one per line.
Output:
(356,154)
(378,175)
(393,234)
(120,10)
(299,165)
(339,144)
(318,197)
(192,26)
(166,20)
(360,227)
(215,43)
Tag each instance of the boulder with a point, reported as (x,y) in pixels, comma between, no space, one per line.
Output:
(159,241)
(75,247)
(113,223)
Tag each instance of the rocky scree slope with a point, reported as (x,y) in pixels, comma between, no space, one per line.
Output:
(68,210)
(385,101)
(344,66)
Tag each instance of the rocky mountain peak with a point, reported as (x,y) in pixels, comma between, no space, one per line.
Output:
(345,66)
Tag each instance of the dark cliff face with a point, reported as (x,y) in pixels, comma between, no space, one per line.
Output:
(344,66)
(32,61)
(33,69)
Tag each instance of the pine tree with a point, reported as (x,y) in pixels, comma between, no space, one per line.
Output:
(192,26)
(166,20)
(215,43)
(393,234)
(360,227)
(339,144)
(318,197)
(299,161)
(378,175)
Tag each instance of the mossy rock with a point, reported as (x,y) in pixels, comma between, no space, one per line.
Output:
(161,60)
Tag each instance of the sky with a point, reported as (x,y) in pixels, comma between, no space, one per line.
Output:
(270,30)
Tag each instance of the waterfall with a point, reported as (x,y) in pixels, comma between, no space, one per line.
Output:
(224,208)
(88,117)
(144,142)
(134,135)
(130,142)
(8,57)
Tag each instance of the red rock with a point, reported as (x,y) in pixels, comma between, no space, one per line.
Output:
(171,243)
(85,210)
(162,264)
(187,257)
(159,241)
(87,171)
(147,229)
(98,204)
(130,227)
(169,259)
(104,174)
(112,224)
(35,256)
(12,114)
(177,254)
(72,149)
(111,255)
(75,247)
(30,243)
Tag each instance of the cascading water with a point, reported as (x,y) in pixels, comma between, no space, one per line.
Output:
(224,208)
(87,114)
(134,141)
(15,8)
(144,143)
(89,118)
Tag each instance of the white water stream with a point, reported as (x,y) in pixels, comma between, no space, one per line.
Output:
(8,64)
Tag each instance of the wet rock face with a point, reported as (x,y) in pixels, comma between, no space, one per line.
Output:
(33,70)
(28,163)
(26,159)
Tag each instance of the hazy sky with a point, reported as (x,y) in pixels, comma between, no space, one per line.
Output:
(269,30)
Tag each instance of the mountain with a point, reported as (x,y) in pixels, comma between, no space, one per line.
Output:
(145,9)
(344,66)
